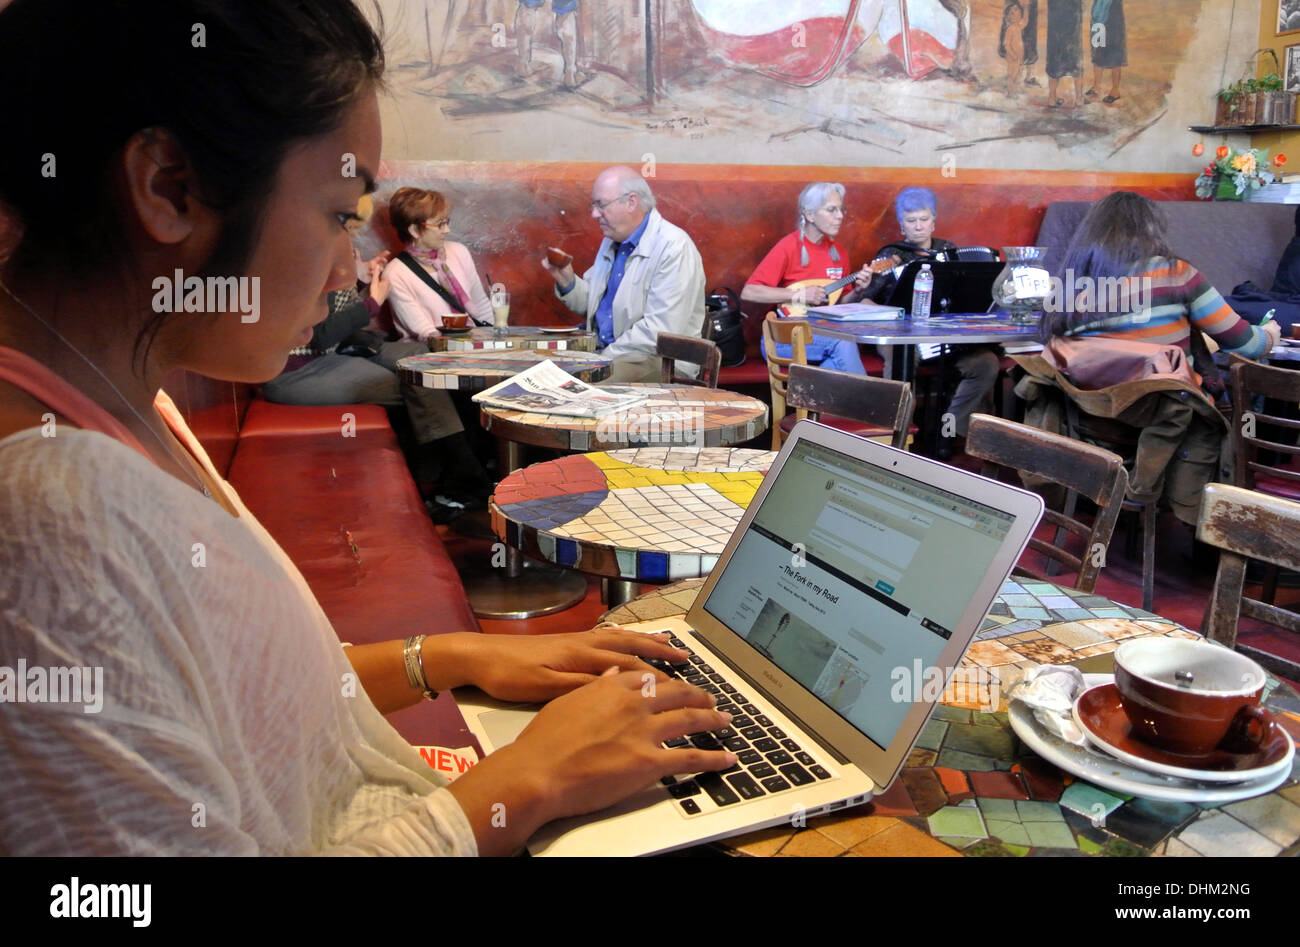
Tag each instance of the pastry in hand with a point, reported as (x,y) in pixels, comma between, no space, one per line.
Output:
(557,257)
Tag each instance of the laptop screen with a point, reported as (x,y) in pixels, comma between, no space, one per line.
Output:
(850,572)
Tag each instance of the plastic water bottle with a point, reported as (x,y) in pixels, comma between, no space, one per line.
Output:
(922,291)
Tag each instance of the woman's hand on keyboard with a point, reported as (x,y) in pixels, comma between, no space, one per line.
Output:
(541,667)
(587,750)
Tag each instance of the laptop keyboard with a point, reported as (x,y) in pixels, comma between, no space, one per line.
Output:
(768,760)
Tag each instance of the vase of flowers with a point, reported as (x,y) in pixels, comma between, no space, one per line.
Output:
(1233,173)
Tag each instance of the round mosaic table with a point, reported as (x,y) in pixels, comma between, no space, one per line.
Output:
(672,416)
(515,337)
(476,370)
(649,514)
(970,787)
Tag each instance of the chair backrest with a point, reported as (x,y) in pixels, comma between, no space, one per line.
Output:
(796,334)
(1251,380)
(889,404)
(687,348)
(1088,471)
(1246,524)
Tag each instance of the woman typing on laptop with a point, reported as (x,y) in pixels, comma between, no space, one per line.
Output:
(221,685)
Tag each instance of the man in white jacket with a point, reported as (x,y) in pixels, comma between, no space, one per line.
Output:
(647,277)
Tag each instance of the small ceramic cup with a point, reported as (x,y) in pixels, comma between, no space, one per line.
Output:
(1190,696)
(455,321)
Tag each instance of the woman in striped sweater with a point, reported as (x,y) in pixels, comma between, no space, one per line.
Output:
(1120,280)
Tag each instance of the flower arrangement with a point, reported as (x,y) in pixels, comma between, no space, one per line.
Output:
(1231,173)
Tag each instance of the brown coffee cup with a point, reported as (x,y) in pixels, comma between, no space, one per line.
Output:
(455,321)
(1191,696)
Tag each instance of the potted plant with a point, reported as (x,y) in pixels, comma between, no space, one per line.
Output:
(1232,173)
(1256,101)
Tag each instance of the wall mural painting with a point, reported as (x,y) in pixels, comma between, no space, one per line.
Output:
(1070,83)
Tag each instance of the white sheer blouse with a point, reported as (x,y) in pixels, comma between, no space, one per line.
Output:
(226,725)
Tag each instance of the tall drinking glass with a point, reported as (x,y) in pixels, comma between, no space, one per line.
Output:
(500,312)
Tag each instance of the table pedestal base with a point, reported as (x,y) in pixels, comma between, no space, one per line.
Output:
(493,593)
(616,592)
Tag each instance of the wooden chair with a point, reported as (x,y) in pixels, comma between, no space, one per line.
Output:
(1084,470)
(796,334)
(877,404)
(687,348)
(1249,381)
(1246,524)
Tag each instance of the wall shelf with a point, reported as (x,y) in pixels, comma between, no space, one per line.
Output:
(1240,129)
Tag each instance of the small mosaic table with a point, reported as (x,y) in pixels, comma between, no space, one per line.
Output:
(970,787)
(474,371)
(515,337)
(650,514)
(673,416)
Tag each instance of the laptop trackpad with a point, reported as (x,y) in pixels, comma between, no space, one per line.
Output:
(503,726)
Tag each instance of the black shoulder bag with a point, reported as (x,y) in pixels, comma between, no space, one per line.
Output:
(432,283)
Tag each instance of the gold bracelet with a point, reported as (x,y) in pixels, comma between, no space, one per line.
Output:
(413,659)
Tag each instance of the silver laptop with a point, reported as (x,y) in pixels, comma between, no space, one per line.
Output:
(856,571)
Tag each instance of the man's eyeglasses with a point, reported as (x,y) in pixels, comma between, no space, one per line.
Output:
(601,205)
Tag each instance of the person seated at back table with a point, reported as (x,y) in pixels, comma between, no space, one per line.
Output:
(324,373)
(647,278)
(917,210)
(1161,297)
(810,253)
(432,277)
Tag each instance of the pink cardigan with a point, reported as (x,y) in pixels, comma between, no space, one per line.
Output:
(418,310)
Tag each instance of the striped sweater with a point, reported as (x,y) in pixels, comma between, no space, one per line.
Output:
(1163,310)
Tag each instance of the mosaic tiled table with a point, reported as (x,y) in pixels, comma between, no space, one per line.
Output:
(515,337)
(474,371)
(673,416)
(971,788)
(649,514)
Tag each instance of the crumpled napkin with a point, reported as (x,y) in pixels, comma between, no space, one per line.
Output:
(1051,690)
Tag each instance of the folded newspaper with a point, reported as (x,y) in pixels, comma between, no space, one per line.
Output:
(545,388)
(857,312)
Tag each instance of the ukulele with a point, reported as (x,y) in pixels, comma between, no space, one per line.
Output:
(832,287)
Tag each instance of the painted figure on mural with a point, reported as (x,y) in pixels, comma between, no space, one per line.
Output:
(1026,42)
(1011,46)
(961,68)
(530,16)
(1109,46)
(1064,48)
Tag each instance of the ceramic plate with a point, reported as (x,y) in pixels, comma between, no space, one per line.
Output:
(1100,715)
(559,329)
(448,330)
(1109,773)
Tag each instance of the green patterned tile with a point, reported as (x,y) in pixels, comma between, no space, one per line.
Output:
(1020,851)
(960,843)
(1009,832)
(1031,811)
(1003,810)
(931,737)
(1087,800)
(1118,848)
(1272,816)
(968,762)
(995,743)
(1089,846)
(955,714)
(1050,835)
(957,821)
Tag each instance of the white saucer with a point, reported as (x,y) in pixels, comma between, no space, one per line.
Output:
(559,330)
(1107,772)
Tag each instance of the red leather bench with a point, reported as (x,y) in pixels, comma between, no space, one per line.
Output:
(331,487)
